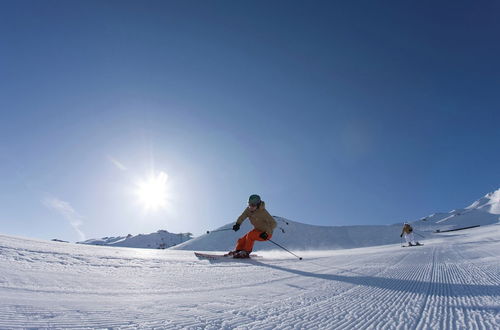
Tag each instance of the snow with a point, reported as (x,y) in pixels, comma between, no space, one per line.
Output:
(452,282)
(490,202)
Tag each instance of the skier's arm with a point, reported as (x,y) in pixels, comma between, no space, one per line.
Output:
(242,217)
(270,223)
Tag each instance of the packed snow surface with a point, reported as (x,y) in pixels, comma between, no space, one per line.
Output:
(452,282)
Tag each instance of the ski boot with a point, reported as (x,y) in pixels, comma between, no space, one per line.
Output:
(232,253)
(242,255)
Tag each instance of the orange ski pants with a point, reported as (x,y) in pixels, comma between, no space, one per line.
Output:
(246,242)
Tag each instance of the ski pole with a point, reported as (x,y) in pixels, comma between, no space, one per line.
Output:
(300,258)
(401,241)
(214,231)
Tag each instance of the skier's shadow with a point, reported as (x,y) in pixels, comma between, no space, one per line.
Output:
(414,286)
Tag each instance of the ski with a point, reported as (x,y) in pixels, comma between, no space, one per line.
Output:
(412,245)
(208,256)
(211,256)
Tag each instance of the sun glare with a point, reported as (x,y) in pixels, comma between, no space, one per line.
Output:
(152,192)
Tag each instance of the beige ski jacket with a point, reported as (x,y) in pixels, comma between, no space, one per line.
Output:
(260,219)
(406,229)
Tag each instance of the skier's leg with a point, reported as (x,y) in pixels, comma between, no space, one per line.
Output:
(412,238)
(242,242)
(251,237)
(407,238)
(246,242)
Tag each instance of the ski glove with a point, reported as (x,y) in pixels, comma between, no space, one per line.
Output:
(401,235)
(236,227)
(263,236)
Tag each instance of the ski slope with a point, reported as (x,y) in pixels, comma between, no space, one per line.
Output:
(453,282)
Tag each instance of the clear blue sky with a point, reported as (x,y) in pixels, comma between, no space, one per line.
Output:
(336,113)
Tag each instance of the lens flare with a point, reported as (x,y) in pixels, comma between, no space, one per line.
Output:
(152,192)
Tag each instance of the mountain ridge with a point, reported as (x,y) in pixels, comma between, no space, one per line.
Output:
(161,239)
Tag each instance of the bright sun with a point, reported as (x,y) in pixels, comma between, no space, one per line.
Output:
(152,192)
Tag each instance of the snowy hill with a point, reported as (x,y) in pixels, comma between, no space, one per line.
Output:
(452,282)
(482,212)
(160,240)
(300,236)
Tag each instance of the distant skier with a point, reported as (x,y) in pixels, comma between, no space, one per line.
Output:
(263,223)
(409,237)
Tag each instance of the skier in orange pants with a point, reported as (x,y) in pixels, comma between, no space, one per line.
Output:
(263,223)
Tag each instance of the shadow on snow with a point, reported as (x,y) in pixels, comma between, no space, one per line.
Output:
(413,286)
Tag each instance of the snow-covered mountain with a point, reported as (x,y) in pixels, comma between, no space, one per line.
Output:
(299,236)
(484,211)
(162,239)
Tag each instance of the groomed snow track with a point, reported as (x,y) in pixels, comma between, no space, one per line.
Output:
(450,283)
